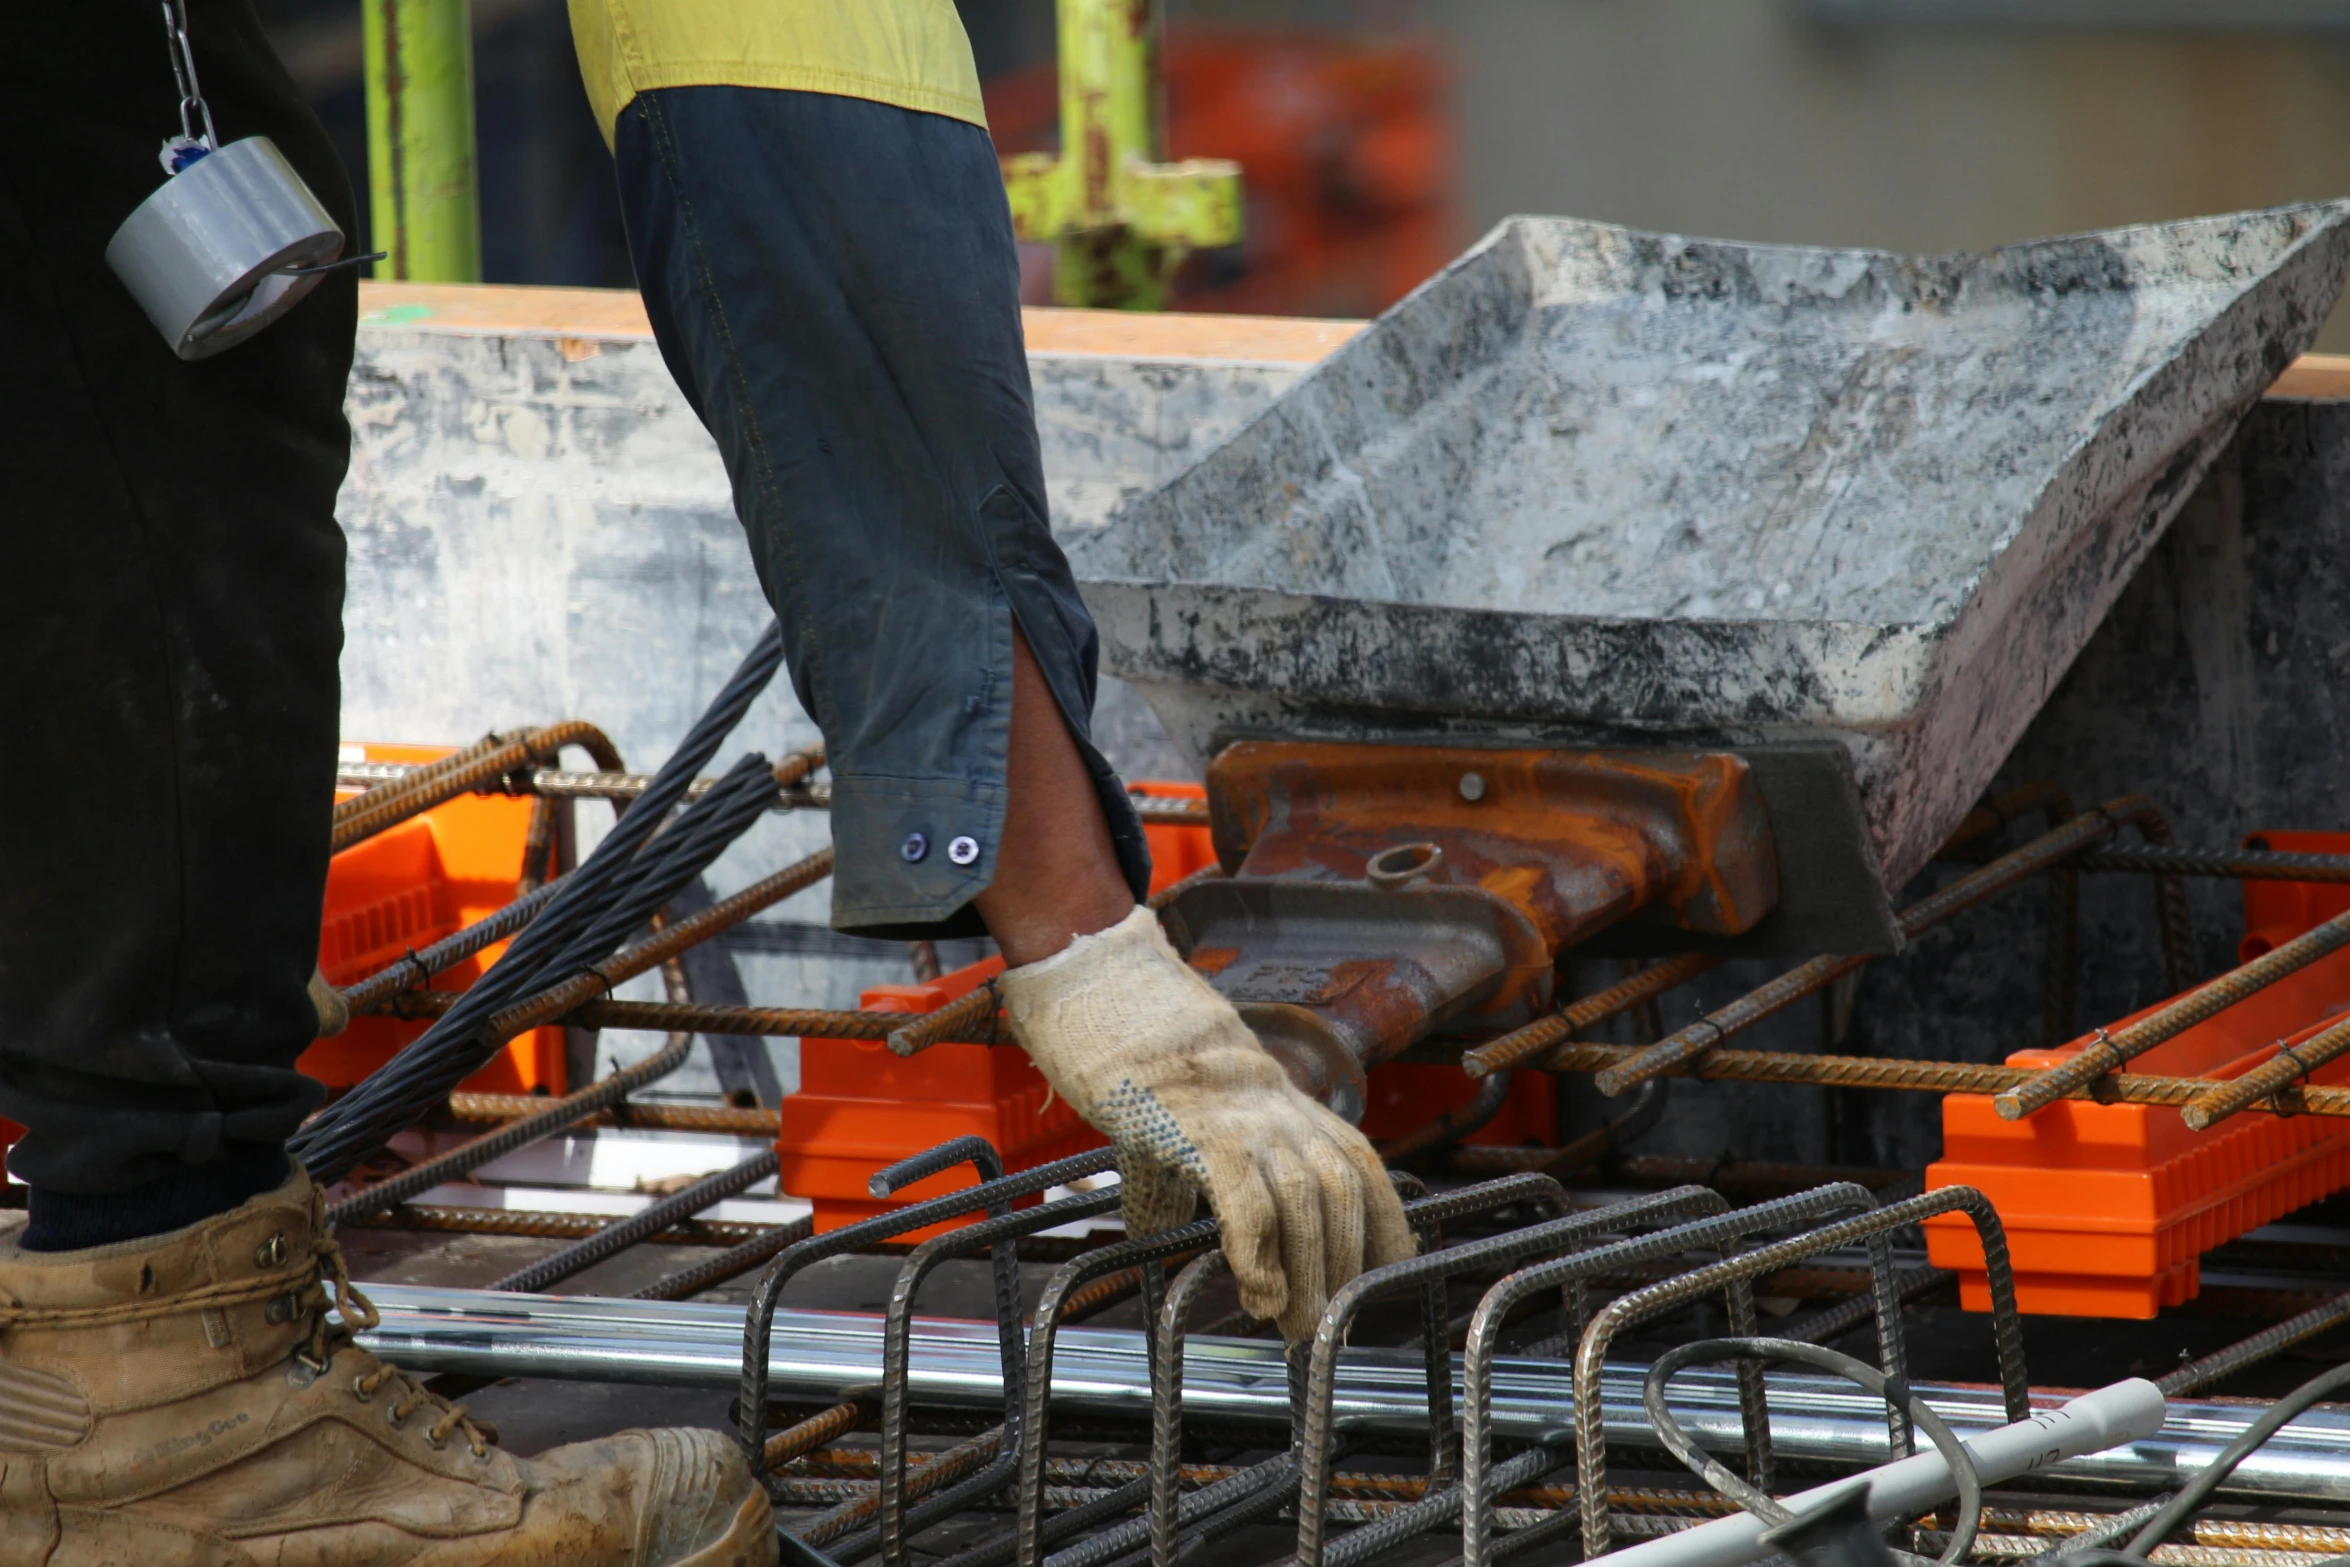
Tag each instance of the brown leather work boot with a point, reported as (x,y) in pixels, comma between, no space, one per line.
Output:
(185,1401)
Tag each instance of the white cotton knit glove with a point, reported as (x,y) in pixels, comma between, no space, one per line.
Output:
(1163,1067)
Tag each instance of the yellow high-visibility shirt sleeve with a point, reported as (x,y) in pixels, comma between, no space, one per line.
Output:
(912,53)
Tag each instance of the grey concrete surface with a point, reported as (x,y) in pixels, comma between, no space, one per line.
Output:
(1591,485)
(2217,687)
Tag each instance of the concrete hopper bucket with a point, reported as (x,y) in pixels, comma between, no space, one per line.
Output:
(1842,515)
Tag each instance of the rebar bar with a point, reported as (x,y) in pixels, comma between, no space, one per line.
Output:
(609,781)
(2107,1052)
(1997,1548)
(386,780)
(1621,1313)
(1160,900)
(542,840)
(1167,1335)
(982,1454)
(415,968)
(661,1016)
(1777,995)
(2217,1367)
(898,1325)
(732,1263)
(621,1234)
(2271,1081)
(1833,1321)
(1709,1224)
(1937,1077)
(1518,1047)
(956,1020)
(537,1224)
(1561,1234)
(889,1501)
(558,1114)
(994,1194)
(390,780)
(814,1432)
(1169,1516)
(2240,1533)
(437,784)
(568,995)
(2238,864)
(725,1120)
(1147,1253)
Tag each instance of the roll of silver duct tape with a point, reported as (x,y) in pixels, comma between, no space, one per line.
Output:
(216,254)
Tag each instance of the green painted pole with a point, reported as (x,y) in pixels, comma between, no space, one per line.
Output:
(425,209)
(1120,220)
(1109,115)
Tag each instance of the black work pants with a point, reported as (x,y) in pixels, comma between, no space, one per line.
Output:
(173,620)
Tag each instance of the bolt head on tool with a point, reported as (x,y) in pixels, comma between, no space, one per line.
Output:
(211,256)
(1472,787)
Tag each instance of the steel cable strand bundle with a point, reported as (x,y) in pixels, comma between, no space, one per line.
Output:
(631,873)
(464,1039)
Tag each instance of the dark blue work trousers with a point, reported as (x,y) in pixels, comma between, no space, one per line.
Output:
(834,284)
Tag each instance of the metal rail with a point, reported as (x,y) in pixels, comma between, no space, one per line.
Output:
(829,1356)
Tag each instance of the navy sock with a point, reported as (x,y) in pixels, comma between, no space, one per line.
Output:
(72,1221)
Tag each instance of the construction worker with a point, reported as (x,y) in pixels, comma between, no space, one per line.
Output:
(816,216)
(821,234)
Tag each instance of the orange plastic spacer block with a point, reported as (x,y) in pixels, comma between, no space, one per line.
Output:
(407,887)
(859,1107)
(2109,1208)
(2277,911)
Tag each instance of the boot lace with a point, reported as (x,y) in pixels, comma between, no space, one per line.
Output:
(354,1314)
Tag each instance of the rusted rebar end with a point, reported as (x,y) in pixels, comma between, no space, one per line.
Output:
(1501,1054)
(2175,1017)
(1658,1059)
(1543,1033)
(814,1432)
(2270,1080)
(952,1021)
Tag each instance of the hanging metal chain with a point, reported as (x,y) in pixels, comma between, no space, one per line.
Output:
(183,69)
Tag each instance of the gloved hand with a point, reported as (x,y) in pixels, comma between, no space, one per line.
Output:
(1163,1067)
